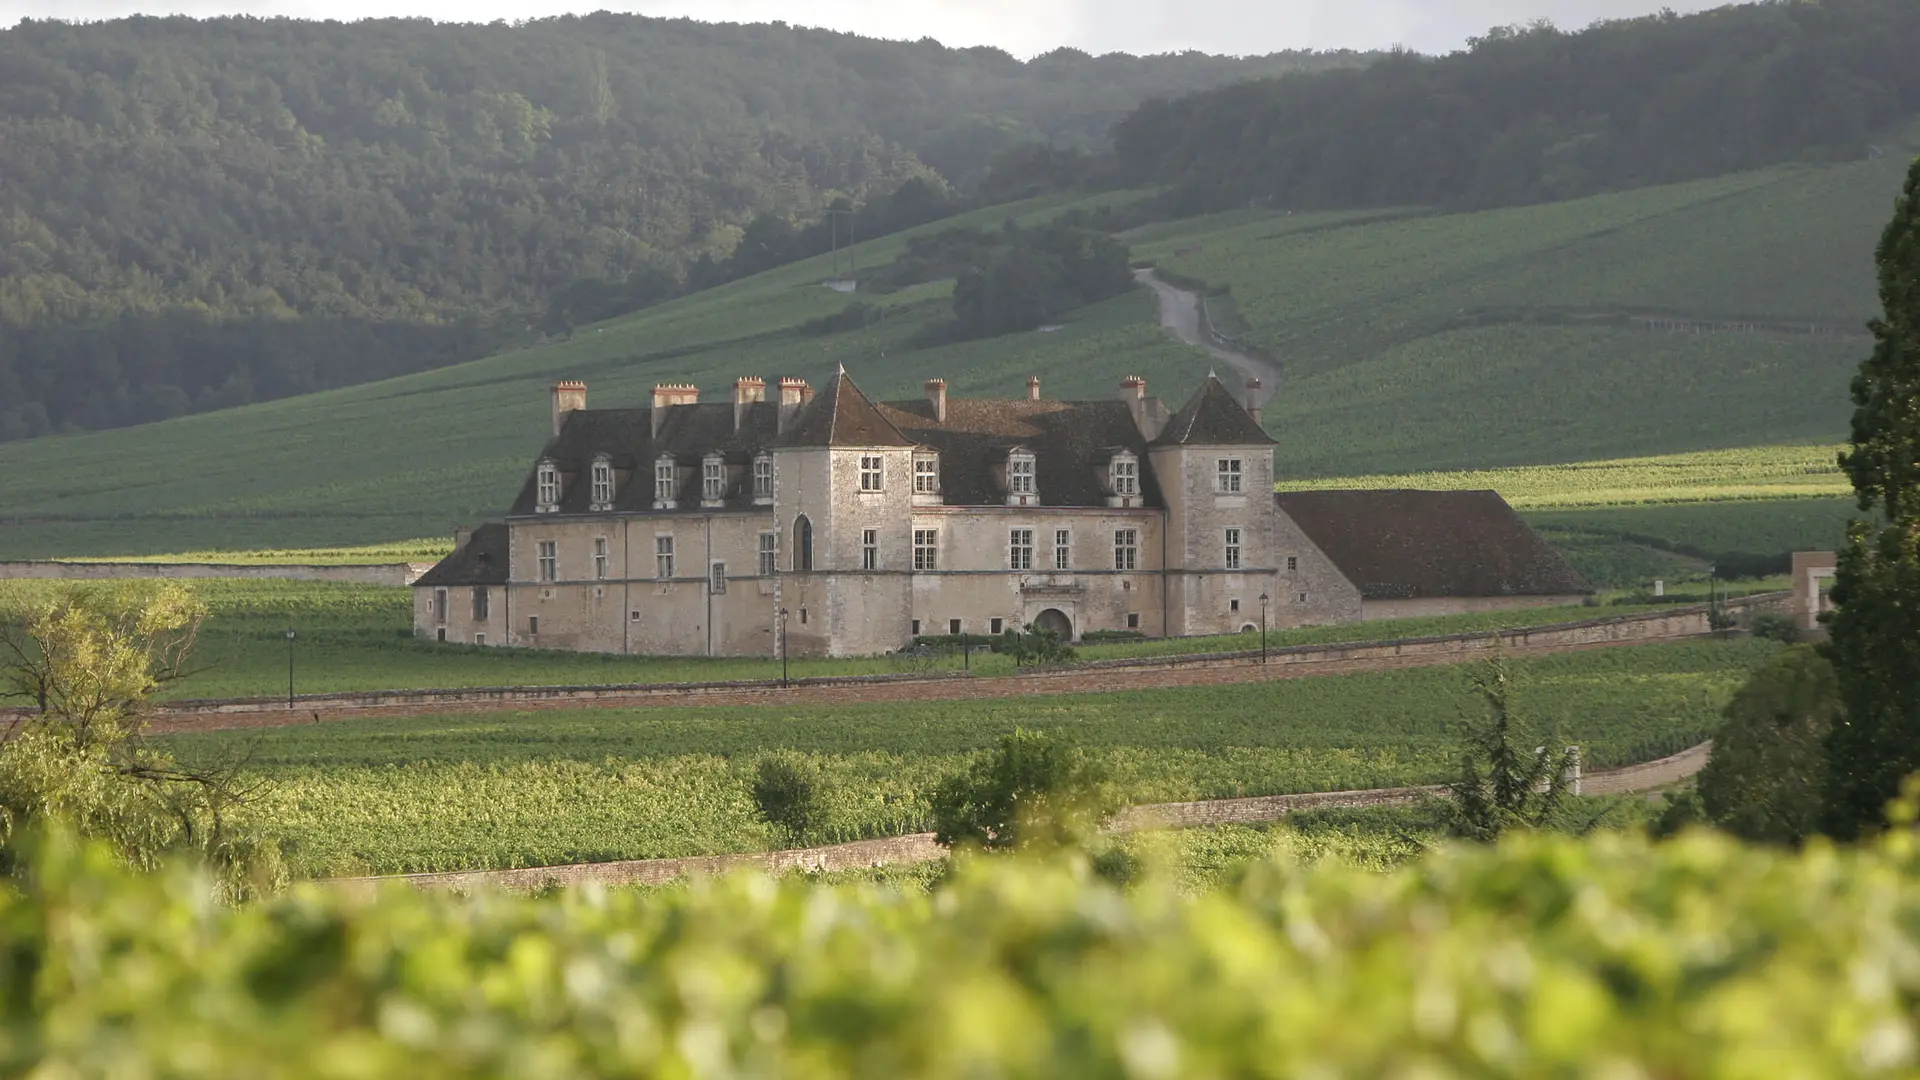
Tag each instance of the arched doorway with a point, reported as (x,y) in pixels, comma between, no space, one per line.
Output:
(1056,620)
(802,544)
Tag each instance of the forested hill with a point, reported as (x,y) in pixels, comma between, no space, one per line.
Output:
(196,214)
(1534,114)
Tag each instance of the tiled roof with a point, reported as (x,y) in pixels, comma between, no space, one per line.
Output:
(482,560)
(1072,441)
(841,415)
(1403,544)
(687,433)
(1213,418)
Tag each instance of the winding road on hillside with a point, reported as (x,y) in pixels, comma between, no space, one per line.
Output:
(1182,316)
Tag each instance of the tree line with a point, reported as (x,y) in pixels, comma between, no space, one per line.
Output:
(201,213)
(1534,113)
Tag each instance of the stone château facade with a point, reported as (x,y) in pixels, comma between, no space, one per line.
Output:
(690,527)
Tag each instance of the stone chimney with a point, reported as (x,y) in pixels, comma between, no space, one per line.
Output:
(1253,398)
(937,397)
(671,395)
(567,397)
(793,394)
(1033,388)
(460,538)
(746,392)
(1133,391)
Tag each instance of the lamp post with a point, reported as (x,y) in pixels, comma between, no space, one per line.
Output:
(1263,627)
(784,683)
(289,667)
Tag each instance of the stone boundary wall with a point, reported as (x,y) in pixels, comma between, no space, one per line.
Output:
(374,574)
(920,847)
(1678,622)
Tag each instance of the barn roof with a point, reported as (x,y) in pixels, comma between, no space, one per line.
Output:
(1403,544)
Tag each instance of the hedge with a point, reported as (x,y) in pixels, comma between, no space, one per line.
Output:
(1548,956)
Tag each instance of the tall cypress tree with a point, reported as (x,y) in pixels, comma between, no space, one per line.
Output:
(1875,644)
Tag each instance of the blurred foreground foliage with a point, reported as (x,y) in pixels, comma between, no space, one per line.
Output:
(1541,956)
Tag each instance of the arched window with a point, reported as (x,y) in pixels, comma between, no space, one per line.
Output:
(802,543)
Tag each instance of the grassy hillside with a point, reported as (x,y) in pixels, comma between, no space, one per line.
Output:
(1510,337)
(1410,342)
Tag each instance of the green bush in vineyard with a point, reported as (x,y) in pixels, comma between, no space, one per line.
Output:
(1543,956)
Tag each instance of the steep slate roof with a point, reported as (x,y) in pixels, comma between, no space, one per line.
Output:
(841,415)
(687,432)
(482,560)
(1072,441)
(1211,417)
(1405,544)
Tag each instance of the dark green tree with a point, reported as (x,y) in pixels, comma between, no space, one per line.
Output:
(1032,791)
(1767,775)
(786,795)
(1508,778)
(1875,644)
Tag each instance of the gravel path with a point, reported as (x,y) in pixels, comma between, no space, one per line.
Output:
(1180,316)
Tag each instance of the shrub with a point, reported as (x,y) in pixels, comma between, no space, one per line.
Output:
(786,794)
(1765,777)
(1774,628)
(1506,781)
(1035,646)
(1095,637)
(1031,791)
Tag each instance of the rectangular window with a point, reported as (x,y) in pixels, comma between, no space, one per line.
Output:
(916,628)
(926,549)
(872,472)
(767,552)
(1233,549)
(926,476)
(1126,549)
(1233,606)
(997,626)
(1303,598)
(600,558)
(953,626)
(663,557)
(549,485)
(482,603)
(1227,480)
(443,633)
(533,626)
(1293,562)
(763,478)
(479,639)
(1020,549)
(869,549)
(713,480)
(549,551)
(439,605)
(663,482)
(1020,474)
(1062,549)
(717,579)
(602,483)
(1133,620)
(1126,477)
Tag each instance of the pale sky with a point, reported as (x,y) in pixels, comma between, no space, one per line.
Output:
(1022,27)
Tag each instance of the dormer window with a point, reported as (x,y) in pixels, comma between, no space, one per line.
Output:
(547,498)
(1022,489)
(602,484)
(926,479)
(763,478)
(664,485)
(1123,479)
(713,480)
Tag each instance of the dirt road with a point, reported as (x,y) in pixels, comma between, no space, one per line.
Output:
(1180,316)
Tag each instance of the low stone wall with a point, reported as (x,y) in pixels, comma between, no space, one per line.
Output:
(1679,622)
(396,574)
(920,847)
